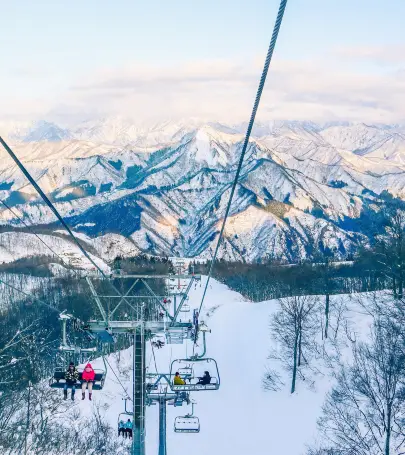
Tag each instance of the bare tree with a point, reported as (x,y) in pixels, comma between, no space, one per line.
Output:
(364,414)
(53,427)
(294,329)
(390,251)
(326,272)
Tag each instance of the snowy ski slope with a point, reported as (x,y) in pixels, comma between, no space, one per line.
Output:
(240,418)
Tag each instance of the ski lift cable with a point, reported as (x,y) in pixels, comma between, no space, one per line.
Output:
(41,302)
(118,379)
(150,361)
(171,355)
(270,51)
(55,211)
(34,233)
(49,204)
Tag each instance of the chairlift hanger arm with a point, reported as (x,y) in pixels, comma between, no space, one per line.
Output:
(200,356)
(183,299)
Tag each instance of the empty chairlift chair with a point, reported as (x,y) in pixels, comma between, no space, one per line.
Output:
(176,335)
(187,424)
(185,308)
(199,380)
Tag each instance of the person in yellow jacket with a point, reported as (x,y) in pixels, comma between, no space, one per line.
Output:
(178,380)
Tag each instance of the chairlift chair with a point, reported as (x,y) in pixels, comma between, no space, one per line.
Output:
(128,415)
(106,336)
(197,365)
(58,380)
(185,308)
(187,424)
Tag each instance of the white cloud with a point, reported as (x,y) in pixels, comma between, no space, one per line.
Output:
(382,55)
(224,90)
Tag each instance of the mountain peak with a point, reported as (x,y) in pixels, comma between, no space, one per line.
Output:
(46,131)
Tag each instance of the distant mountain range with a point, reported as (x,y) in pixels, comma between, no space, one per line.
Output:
(163,189)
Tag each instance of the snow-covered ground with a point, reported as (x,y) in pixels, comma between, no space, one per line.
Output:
(241,417)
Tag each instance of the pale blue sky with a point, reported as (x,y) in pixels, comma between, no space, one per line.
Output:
(48,47)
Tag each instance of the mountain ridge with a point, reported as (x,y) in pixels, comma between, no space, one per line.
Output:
(166,189)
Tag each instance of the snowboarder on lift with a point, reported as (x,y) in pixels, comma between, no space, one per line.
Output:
(88,377)
(206,379)
(71,377)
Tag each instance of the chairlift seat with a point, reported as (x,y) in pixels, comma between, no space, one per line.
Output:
(199,364)
(187,424)
(105,337)
(185,308)
(58,380)
(213,385)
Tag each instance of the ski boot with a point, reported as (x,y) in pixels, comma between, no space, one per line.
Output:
(65,394)
(83,395)
(90,396)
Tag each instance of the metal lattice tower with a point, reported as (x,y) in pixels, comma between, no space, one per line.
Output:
(149,316)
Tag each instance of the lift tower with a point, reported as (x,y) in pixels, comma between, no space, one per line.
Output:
(142,314)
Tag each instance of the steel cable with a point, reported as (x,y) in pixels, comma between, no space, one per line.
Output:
(267,62)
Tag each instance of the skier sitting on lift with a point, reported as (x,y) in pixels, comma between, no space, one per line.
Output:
(121,428)
(206,379)
(128,429)
(71,377)
(178,380)
(88,376)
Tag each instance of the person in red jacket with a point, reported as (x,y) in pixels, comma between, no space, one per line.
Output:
(88,376)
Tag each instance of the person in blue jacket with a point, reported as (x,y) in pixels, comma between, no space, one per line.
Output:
(121,428)
(128,429)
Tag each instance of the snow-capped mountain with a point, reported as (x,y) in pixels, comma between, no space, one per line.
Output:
(164,188)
